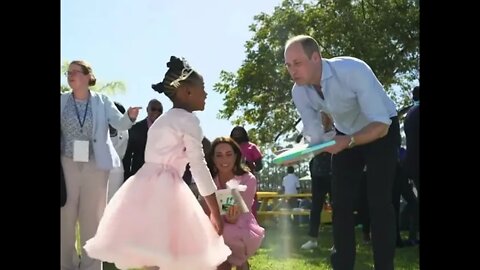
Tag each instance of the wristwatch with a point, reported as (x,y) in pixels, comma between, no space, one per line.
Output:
(352,142)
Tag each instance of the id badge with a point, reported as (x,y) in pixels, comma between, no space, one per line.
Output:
(80,151)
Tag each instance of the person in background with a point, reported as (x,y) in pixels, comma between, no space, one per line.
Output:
(87,157)
(252,155)
(411,126)
(241,232)
(137,139)
(321,172)
(120,141)
(291,185)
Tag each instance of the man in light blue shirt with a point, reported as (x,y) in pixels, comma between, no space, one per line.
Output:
(365,118)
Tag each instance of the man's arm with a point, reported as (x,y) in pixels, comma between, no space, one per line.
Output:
(312,123)
(372,101)
(370,133)
(371,98)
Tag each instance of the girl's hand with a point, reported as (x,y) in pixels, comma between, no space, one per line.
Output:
(217,222)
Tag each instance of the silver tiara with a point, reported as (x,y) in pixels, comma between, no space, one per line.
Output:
(186,71)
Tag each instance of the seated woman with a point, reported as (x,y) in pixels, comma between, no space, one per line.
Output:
(242,234)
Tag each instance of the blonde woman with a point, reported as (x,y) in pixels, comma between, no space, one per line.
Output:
(87,156)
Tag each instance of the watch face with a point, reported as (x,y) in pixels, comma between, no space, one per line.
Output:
(352,142)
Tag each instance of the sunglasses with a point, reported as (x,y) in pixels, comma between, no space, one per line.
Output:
(155,109)
(72,73)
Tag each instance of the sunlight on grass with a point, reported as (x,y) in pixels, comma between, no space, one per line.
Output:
(78,243)
(281,250)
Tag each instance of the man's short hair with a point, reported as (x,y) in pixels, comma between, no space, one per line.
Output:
(309,44)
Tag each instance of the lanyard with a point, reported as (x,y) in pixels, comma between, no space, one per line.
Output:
(81,122)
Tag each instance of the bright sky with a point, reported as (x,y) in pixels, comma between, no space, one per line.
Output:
(132,41)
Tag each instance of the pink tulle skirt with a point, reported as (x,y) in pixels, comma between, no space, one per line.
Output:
(155,220)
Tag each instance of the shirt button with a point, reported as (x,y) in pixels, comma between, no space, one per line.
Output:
(94,140)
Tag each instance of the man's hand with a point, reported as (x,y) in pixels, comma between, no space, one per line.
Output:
(341,143)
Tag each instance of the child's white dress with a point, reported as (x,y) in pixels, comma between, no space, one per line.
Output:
(154,218)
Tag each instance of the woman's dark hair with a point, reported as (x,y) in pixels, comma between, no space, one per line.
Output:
(178,73)
(207,145)
(239,168)
(243,135)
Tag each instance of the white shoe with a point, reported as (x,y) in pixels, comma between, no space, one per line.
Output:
(309,245)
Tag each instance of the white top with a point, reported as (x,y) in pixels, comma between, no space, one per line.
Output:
(291,183)
(120,142)
(175,138)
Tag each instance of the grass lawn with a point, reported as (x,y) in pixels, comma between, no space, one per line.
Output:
(281,250)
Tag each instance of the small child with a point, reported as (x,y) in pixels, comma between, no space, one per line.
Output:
(154,220)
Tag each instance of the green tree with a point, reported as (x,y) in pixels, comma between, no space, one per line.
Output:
(114,87)
(385,34)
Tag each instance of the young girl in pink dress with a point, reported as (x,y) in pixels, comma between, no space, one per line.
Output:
(241,232)
(154,220)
